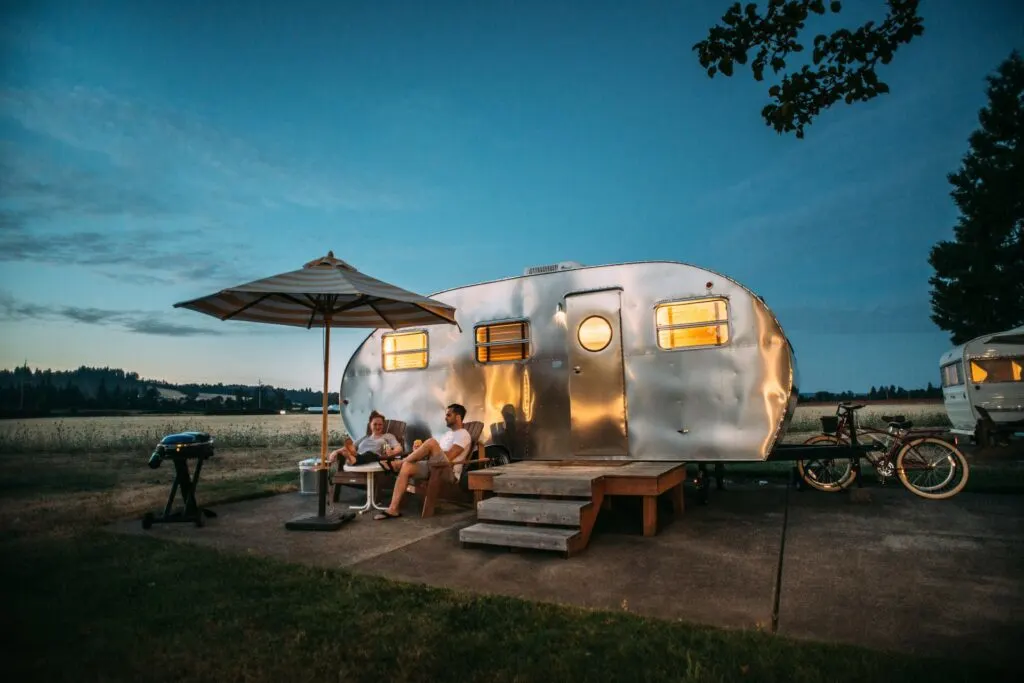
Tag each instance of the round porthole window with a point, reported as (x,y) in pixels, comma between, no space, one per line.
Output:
(594,333)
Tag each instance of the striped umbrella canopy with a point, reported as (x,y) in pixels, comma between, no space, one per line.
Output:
(326,292)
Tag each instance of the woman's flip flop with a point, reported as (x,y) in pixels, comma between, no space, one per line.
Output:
(386,515)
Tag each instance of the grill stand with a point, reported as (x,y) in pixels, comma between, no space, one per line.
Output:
(190,512)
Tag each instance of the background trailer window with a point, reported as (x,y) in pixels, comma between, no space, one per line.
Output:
(991,370)
(953,374)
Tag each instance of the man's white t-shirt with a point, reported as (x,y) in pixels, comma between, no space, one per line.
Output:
(458,437)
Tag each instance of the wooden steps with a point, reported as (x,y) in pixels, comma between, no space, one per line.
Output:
(554,511)
(539,538)
(532,510)
(546,486)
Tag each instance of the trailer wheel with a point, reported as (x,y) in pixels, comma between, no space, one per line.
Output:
(826,474)
(496,455)
(983,434)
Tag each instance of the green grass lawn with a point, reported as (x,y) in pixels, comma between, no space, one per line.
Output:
(97,606)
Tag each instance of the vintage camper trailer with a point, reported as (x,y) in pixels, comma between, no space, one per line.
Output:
(983,387)
(642,361)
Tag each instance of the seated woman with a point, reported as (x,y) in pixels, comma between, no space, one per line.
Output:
(376,446)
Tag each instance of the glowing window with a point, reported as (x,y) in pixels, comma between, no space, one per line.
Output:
(594,333)
(953,374)
(404,350)
(682,324)
(502,342)
(991,370)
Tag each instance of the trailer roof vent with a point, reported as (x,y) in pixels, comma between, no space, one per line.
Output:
(561,265)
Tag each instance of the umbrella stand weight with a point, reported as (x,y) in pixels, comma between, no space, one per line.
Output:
(322,521)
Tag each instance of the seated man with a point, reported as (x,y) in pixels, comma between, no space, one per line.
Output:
(451,448)
(371,448)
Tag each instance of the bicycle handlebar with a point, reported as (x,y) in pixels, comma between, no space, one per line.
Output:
(851,406)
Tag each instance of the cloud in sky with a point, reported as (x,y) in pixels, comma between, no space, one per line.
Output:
(180,147)
(92,178)
(147,255)
(140,322)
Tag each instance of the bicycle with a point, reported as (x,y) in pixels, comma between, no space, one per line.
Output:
(897,450)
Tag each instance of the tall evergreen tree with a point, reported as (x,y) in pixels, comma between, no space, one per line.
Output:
(978,285)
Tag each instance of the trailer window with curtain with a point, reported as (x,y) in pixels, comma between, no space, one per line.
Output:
(953,374)
(698,322)
(992,370)
(404,350)
(502,342)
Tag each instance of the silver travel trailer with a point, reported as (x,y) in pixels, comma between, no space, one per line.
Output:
(983,388)
(658,361)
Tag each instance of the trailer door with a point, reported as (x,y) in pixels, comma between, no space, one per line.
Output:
(597,397)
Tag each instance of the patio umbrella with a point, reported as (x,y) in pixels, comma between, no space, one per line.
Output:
(326,292)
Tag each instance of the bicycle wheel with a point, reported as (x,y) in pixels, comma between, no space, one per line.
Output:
(929,467)
(826,474)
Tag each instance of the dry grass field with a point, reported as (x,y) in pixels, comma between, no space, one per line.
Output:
(59,492)
(123,434)
(142,433)
(921,413)
(73,472)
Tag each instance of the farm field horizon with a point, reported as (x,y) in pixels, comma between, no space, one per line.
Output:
(302,431)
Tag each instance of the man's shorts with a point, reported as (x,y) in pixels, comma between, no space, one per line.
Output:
(423,467)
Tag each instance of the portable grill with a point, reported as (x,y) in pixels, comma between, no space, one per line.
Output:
(179,449)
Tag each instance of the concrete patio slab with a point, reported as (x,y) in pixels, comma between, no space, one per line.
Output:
(713,565)
(929,577)
(257,526)
(898,572)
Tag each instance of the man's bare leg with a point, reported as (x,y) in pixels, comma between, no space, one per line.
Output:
(430,447)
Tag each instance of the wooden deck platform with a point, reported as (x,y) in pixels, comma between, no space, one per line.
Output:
(555,478)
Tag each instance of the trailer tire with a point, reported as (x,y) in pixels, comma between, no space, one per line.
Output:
(497,455)
(983,434)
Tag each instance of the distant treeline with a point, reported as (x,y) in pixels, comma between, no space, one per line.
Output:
(880,393)
(25,392)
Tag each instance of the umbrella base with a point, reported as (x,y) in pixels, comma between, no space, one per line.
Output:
(315,522)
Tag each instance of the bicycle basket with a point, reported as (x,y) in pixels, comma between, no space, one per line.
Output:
(829,424)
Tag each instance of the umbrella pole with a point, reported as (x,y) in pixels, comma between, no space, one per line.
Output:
(322,488)
(322,521)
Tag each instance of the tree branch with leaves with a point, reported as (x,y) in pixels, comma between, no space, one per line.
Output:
(844,63)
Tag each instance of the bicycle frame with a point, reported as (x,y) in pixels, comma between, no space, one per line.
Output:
(891,440)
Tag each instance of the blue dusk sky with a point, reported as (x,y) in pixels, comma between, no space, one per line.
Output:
(157,151)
